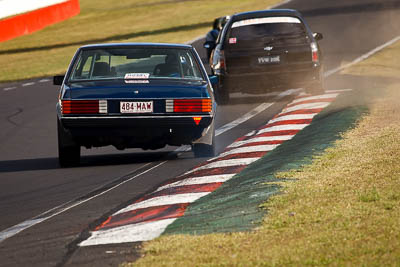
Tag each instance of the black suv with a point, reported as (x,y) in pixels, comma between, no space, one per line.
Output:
(267,50)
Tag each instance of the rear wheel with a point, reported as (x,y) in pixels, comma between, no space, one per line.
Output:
(316,88)
(204,150)
(69,152)
(222,95)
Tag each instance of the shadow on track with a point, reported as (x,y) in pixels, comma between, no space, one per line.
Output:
(21,165)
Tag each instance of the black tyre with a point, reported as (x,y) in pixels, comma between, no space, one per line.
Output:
(317,87)
(222,96)
(69,152)
(203,150)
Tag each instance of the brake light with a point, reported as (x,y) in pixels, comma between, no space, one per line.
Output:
(314,51)
(83,106)
(189,105)
(220,60)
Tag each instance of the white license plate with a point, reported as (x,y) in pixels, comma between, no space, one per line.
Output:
(136,107)
(269,60)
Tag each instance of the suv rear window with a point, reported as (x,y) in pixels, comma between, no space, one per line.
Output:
(256,28)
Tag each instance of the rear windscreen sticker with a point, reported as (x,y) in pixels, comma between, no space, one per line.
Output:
(137,81)
(233,40)
(256,21)
(137,76)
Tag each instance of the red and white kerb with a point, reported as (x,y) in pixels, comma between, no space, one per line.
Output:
(148,217)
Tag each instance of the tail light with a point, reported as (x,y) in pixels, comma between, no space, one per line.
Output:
(219,63)
(314,52)
(203,105)
(222,60)
(83,106)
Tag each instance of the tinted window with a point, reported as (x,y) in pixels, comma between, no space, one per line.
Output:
(135,63)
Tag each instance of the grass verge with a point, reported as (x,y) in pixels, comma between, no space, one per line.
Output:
(48,52)
(343,209)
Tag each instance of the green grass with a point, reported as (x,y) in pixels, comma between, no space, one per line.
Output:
(341,210)
(49,51)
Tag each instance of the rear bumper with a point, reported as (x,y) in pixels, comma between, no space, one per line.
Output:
(276,80)
(128,122)
(141,132)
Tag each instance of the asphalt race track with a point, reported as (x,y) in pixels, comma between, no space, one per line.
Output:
(60,205)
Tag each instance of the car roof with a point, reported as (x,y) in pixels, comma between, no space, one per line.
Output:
(268,12)
(141,45)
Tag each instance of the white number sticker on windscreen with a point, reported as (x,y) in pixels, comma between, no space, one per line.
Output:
(137,76)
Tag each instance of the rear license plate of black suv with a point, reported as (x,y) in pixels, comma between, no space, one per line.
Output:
(269,60)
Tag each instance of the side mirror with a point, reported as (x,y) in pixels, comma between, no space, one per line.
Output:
(213,79)
(58,79)
(318,36)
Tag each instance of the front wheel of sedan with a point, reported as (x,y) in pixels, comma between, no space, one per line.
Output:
(69,153)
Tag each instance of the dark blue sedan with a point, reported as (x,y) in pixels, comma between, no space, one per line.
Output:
(135,95)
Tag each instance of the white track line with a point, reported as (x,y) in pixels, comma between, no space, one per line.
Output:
(163,200)
(253,112)
(244,118)
(198,180)
(306,106)
(224,163)
(9,232)
(315,97)
(293,117)
(248,149)
(9,88)
(261,139)
(128,233)
(27,84)
(286,127)
(363,57)
(338,90)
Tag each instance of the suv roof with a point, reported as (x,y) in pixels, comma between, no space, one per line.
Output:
(263,13)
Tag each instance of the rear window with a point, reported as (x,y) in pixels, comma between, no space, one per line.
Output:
(135,64)
(256,28)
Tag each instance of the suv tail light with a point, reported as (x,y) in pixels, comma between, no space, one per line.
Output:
(83,106)
(314,52)
(219,57)
(203,105)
